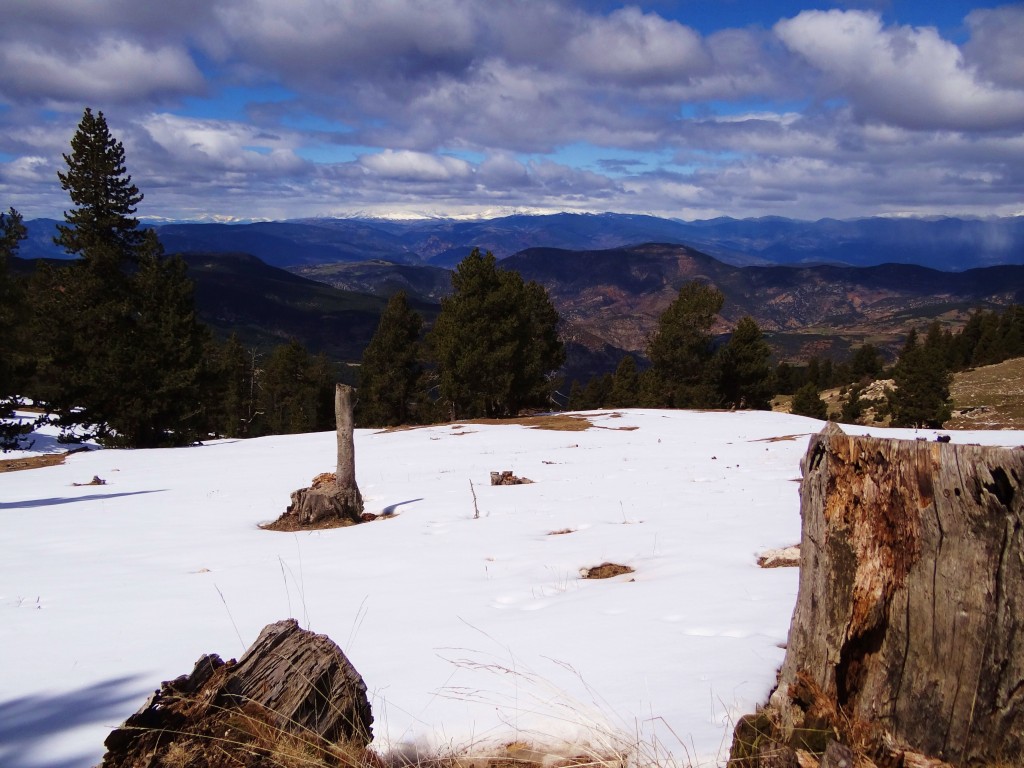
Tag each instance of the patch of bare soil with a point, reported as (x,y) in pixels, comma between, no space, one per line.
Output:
(32,462)
(784,557)
(605,571)
(990,397)
(561,422)
(781,438)
(561,532)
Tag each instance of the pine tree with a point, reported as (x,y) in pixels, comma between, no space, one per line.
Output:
(807,402)
(391,368)
(495,341)
(12,311)
(744,369)
(921,379)
(625,384)
(681,348)
(102,229)
(121,345)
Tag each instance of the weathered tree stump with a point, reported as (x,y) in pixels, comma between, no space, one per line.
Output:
(291,690)
(907,630)
(327,504)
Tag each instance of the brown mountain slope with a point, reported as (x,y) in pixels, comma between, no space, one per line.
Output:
(617,295)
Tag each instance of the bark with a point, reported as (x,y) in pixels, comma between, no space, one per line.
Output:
(907,629)
(292,688)
(345,477)
(330,504)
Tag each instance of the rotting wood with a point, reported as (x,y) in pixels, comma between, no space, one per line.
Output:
(291,687)
(906,637)
(325,503)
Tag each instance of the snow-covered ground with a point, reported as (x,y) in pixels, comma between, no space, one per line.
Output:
(468,632)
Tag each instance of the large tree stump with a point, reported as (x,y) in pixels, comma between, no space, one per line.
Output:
(326,504)
(292,692)
(907,628)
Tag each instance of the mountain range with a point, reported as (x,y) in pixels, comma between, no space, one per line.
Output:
(951,244)
(325,282)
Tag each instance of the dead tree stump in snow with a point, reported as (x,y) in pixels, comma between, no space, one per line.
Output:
(908,632)
(336,503)
(292,689)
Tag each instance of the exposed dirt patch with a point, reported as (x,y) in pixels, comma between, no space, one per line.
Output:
(32,462)
(290,524)
(605,571)
(990,397)
(780,438)
(562,532)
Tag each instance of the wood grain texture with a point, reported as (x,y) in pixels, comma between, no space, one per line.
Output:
(909,614)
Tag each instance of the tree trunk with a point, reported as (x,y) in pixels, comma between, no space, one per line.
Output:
(292,689)
(345,477)
(331,504)
(907,628)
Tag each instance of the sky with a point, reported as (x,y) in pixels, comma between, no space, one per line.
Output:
(691,109)
(469,631)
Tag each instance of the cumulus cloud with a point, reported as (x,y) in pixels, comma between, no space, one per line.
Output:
(908,76)
(409,166)
(111,71)
(826,113)
(633,46)
(995,47)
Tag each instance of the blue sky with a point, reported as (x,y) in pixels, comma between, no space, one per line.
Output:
(248,109)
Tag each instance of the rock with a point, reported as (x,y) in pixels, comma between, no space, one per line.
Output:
(291,690)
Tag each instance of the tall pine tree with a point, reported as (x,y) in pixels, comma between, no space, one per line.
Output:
(391,368)
(12,310)
(681,349)
(496,341)
(121,346)
(921,379)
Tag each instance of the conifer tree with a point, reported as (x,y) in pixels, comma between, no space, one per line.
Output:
(922,382)
(391,368)
(12,311)
(122,347)
(495,341)
(625,384)
(681,348)
(807,402)
(744,369)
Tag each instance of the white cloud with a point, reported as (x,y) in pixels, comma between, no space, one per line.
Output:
(404,165)
(996,47)
(633,46)
(908,76)
(110,71)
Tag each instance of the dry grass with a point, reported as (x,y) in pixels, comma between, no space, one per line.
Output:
(32,462)
(991,397)
(605,571)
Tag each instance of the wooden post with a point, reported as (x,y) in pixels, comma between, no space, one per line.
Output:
(345,477)
(908,632)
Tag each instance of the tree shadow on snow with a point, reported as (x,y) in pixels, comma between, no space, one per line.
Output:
(29,722)
(71,499)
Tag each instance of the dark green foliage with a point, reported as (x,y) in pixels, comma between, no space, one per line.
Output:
(12,343)
(681,349)
(625,391)
(101,228)
(807,402)
(853,406)
(867,362)
(922,380)
(743,368)
(296,392)
(391,368)
(495,341)
(119,346)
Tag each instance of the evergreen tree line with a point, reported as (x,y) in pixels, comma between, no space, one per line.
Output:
(109,344)
(922,373)
(687,369)
(493,351)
